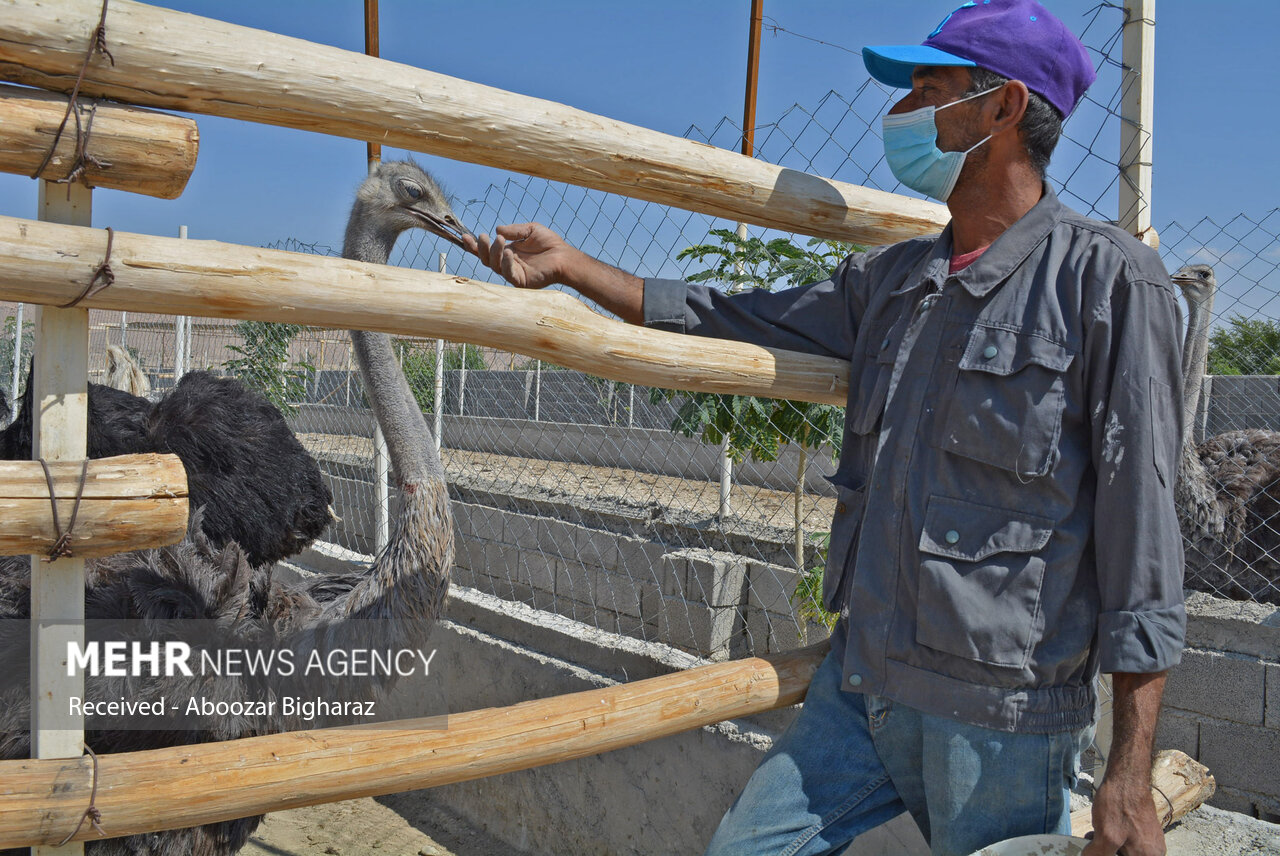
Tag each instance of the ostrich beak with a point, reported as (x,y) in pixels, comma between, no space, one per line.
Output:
(451,232)
(1182,275)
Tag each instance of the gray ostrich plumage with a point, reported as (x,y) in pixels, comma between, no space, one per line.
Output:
(1228,489)
(404,589)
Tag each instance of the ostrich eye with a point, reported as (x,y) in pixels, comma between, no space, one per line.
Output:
(413,191)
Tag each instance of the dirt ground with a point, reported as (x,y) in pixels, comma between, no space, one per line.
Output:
(762,512)
(399,825)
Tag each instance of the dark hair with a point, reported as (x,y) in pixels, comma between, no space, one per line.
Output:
(1041,125)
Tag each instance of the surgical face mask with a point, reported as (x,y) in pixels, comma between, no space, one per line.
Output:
(911,148)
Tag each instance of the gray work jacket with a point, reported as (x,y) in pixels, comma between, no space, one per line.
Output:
(1005,525)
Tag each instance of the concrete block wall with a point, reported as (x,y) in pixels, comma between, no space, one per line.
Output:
(1222,703)
(707,602)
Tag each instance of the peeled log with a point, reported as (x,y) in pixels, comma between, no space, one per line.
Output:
(128,148)
(176,61)
(130,502)
(50,264)
(42,800)
(1179,785)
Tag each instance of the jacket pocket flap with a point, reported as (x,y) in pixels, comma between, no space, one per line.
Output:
(1004,352)
(972,532)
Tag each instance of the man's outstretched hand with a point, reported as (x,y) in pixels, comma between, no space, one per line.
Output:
(527,255)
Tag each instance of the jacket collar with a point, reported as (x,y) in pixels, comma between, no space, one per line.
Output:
(1004,255)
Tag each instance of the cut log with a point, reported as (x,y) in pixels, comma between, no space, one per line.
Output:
(183,62)
(181,786)
(1179,785)
(50,264)
(129,502)
(127,148)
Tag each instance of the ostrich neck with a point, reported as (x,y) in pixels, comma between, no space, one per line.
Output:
(408,581)
(1195,356)
(409,441)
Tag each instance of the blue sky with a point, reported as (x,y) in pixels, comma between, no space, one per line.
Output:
(667,65)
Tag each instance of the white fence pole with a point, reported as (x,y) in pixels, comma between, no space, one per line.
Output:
(439,379)
(180,335)
(17,361)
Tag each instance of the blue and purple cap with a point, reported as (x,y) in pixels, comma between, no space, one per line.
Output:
(1017,39)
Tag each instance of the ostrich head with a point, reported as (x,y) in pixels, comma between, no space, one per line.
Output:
(398,195)
(1197,283)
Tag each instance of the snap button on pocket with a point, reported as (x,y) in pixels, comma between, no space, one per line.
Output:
(989,352)
(841,508)
(885,344)
(855,680)
(952,536)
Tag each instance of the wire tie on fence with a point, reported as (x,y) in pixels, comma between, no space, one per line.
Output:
(101,272)
(1166,799)
(91,814)
(98,43)
(60,549)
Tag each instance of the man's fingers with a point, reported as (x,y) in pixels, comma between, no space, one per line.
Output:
(512,270)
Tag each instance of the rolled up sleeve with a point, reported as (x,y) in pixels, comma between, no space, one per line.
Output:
(1135,407)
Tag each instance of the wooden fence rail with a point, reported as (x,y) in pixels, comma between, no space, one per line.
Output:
(51,264)
(42,800)
(127,148)
(178,61)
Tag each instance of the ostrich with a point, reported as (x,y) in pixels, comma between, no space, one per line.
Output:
(258,486)
(404,588)
(124,372)
(1228,488)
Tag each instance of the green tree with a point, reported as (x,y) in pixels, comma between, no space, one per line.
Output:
(1246,346)
(761,427)
(418,360)
(263,362)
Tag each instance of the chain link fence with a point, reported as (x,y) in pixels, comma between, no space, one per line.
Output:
(626,508)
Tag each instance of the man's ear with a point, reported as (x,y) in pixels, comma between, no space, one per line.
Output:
(1010,105)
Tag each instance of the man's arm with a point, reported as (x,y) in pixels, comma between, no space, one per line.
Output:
(529,255)
(1124,815)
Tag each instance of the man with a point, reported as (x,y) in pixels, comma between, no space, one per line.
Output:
(1005,526)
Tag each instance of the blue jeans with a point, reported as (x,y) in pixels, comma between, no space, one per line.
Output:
(850,762)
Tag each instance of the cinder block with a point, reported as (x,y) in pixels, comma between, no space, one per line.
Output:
(1179,731)
(483,521)
(673,574)
(1242,756)
(576,582)
(596,547)
(1272,716)
(769,632)
(521,530)
(716,579)
(500,560)
(770,586)
(539,570)
(556,538)
(639,556)
(704,630)
(1231,799)
(1224,686)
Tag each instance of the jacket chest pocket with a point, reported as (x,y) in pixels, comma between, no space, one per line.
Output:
(1005,408)
(980,581)
(882,340)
